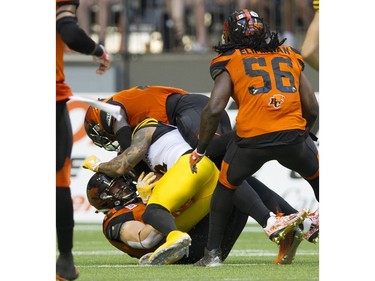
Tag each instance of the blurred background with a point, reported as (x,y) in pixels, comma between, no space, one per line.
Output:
(169,42)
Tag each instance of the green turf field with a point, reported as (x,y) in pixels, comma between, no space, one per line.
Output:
(251,259)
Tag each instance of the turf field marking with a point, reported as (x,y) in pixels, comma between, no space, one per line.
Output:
(234,253)
(137,265)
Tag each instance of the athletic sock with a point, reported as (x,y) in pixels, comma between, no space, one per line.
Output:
(220,211)
(159,218)
(64,219)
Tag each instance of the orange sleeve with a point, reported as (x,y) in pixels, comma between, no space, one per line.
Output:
(115,214)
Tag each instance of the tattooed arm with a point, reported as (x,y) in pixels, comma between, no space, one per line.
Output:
(127,160)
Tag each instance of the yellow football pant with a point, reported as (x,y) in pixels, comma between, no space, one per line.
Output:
(179,186)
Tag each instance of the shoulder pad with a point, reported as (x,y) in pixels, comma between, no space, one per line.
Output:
(145,123)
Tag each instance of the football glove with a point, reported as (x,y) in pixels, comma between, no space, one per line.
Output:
(145,184)
(104,62)
(92,163)
(195,157)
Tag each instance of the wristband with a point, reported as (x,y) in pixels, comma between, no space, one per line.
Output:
(199,149)
(98,51)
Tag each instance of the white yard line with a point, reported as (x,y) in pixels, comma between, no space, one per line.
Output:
(234,253)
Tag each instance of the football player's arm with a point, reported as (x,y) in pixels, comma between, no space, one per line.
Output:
(310,46)
(123,131)
(77,39)
(138,235)
(72,35)
(127,160)
(309,102)
(211,114)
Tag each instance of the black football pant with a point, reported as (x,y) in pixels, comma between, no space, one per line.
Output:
(64,204)
(184,111)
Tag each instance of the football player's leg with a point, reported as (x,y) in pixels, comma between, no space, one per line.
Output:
(270,198)
(235,227)
(64,206)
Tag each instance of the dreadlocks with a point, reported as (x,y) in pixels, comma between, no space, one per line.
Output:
(255,42)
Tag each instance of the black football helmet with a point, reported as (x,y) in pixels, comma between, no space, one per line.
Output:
(243,24)
(105,193)
(98,127)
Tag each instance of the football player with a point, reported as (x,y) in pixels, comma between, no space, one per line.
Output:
(124,228)
(162,147)
(68,33)
(277,108)
(169,105)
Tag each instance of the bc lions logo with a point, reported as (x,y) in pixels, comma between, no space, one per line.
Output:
(276,100)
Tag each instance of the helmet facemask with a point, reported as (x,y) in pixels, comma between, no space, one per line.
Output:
(99,138)
(105,193)
(98,126)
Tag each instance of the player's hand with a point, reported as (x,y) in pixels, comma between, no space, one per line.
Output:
(195,157)
(92,163)
(145,184)
(104,62)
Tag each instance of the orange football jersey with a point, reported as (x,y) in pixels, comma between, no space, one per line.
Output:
(265,89)
(125,213)
(139,105)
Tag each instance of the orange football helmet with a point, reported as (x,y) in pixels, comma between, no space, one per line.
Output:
(243,24)
(105,193)
(98,127)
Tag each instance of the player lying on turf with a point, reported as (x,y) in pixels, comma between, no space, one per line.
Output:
(124,228)
(163,148)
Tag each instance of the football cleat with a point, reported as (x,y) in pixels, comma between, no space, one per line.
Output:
(281,225)
(311,228)
(144,259)
(65,269)
(288,246)
(211,258)
(176,246)
(174,258)
(179,255)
